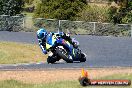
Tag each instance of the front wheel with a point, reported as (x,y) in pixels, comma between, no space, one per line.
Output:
(64,55)
(83,57)
(51,59)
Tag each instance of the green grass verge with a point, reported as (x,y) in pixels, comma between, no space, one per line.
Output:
(11,53)
(17,84)
(62,84)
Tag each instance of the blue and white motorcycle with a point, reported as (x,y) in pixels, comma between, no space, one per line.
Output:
(61,49)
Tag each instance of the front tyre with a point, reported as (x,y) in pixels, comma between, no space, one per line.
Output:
(83,57)
(64,55)
(51,59)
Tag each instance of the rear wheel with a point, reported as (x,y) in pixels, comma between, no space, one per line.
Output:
(83,57)
(64,55)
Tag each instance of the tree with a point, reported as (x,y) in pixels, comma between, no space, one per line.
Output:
(122,14)
(59,9)
(28,1)
(93,14)
(128,17)
(10,7)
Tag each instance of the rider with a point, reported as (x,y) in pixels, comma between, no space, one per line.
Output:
(42,36)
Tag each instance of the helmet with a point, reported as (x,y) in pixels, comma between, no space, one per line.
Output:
(41,33)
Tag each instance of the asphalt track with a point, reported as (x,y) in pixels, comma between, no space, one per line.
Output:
(102,51)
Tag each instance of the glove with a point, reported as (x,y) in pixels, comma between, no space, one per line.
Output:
(67,35)
(61,33)
(44,51)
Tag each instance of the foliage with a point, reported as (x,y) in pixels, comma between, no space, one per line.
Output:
(128,16)
(94,14)
(10,7)
(59,9)
(28,1)
(122,14)
(113,14)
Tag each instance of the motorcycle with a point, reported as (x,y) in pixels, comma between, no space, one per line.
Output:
(62,49)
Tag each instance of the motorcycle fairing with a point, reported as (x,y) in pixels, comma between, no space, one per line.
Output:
(50,41)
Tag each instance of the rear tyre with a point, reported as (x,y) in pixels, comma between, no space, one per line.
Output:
(51,59)
(64,55)
(83,57)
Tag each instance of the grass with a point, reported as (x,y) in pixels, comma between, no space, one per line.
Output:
(62,84)
(13,84)
(28,14)
(17,84)
(117,76)
(11,53)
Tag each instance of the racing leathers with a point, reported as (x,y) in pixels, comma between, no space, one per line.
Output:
(42,42)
